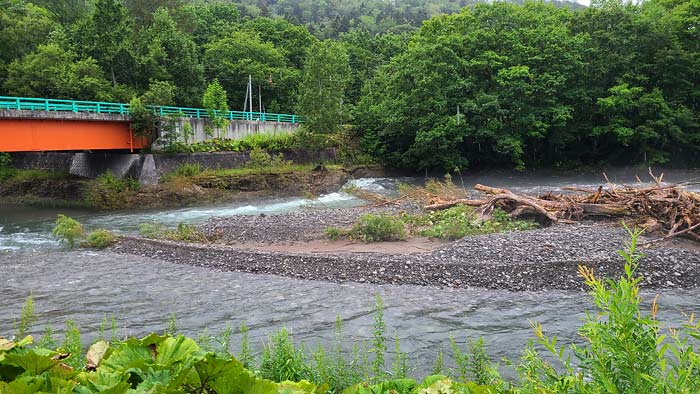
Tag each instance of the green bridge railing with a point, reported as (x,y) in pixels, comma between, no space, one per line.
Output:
(41,104)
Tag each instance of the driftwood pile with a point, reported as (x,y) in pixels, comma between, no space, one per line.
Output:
(657,207)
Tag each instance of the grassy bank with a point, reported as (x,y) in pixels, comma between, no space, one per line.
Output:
(187,185)
(625,350)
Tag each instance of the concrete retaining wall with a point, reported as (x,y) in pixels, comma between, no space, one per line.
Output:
(52,161)
(148,168)
(236,130)
(214,160)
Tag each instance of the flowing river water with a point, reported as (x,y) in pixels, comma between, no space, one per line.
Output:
(142,294)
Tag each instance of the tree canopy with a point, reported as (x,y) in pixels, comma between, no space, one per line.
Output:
(425,84)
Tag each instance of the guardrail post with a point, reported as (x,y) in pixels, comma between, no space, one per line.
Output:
(294,118)
(98,108)
(75,109)
(46,105)
(19,105)
(161,111)
(197,113)
(121,109)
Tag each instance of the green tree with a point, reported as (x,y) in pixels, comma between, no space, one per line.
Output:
(216,103)
(241,54)
(159,93)
(144,119)
(66,11)
(326,76)
(106,37)
(292,40)
(52,71)
(165,53)
(207,21)
(489,86)
(143,11)
(643,121)
(23,27)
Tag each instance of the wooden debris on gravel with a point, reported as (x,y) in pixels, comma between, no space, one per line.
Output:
(667,208)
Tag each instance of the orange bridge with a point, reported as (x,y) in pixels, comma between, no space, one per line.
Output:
(37,124)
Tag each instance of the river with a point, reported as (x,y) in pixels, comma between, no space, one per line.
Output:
(142,294)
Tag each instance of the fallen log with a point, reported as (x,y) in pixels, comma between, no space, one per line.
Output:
(610,210)
(519,202)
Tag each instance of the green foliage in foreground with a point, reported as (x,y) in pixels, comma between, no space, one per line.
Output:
(154,364)
(625,350)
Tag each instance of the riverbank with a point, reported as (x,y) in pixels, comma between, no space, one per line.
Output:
(58,189)
(294,245)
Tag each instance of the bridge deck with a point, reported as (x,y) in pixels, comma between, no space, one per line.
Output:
(42,104)
(38,124)
(33,135)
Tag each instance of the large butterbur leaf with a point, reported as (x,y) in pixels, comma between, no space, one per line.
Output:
(103,382)
(301,387)
(132,354)
(31,361)
(25,385)
(173,350)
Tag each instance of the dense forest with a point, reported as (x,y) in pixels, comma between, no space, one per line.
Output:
(422,84)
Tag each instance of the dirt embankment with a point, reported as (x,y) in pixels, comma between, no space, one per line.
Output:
(65,191)
(73,191)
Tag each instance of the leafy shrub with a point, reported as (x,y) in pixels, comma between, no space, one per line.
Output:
(460,221)
(188,169)
(281,360)
(183,232)
(268,142)
(5,160)
(334,233)
(108,181)
(259,158)
(376,228)
(184,170)
(6,170)
(67,230)
(152,230)
(110,192)
(188,232)
(100,239)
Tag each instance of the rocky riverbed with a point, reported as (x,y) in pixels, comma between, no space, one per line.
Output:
(540,259)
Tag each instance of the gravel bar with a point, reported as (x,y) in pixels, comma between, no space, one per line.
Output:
(302,225)
(540,259)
